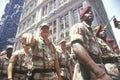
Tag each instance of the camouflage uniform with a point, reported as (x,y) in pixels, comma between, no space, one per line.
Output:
(23,63)
(3,66)
(64,60)
(43,60)
(110,67)
(106,50)
(82,33)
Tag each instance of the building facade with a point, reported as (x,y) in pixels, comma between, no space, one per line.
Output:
(61,15)
(9,23)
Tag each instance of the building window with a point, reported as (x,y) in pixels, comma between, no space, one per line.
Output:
(24,26)
(50,24)
(50,6)
(31,7)
(67,33)
(80,9)
(28,22)
(55,4)
(47,7)
(54,23)
(26,10)
(54,30)
(50,31)
(54,26)
(75,16)
(66,20)
(62,35)
(62,1)
(33,18)
(62,23)
(54,39)
(44,10)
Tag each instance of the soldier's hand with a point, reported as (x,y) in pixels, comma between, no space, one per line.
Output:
(105,77)
(28,38)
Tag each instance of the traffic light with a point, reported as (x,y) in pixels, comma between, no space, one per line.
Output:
(116,23)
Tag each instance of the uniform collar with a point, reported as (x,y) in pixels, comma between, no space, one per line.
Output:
(85,24)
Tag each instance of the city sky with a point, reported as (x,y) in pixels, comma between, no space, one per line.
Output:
(2,6)
(112,8)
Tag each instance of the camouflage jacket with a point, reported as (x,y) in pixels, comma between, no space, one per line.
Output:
(23,59)
(83,33)
(43,55)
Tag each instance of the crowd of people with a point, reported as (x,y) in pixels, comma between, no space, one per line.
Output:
(89,56)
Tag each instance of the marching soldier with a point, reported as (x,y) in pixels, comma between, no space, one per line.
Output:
(87,49)
(108,55)
(4,60)
(23,58)
(113,68)
(64,60)
(45,58)
(101,38)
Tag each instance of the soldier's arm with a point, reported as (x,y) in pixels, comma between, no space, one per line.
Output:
(28,39)
(70,71)
(88,62)
(10,66)
(57,67)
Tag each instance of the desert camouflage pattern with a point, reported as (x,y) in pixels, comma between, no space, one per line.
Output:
(64,60)
(43,58)
(83,33)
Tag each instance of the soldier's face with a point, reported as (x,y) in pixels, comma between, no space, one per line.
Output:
(44,32)
(63,45)
(10,50)
(102,33)
(89,15)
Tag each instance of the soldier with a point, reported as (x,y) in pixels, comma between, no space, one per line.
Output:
(4,60)
(114,68)
(9,51)
(108,56)
(64,60)
(101,33)
(87,49)
(23,58)
(101,38)
(45,59)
